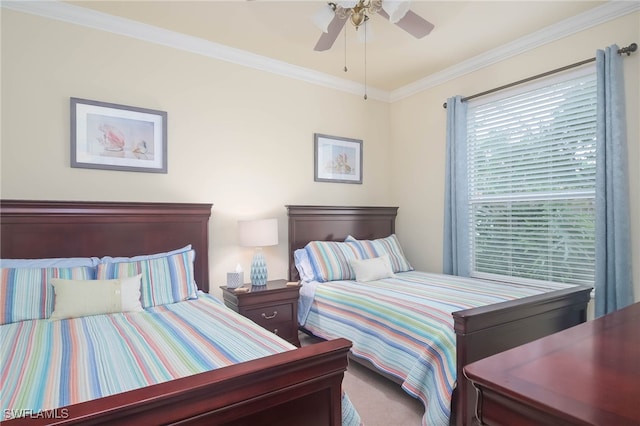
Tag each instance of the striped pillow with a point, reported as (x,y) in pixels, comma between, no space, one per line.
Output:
(376,248)
(330,259)
(27,293)
(165,280)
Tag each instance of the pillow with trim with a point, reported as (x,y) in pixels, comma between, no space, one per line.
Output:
(330,259)
(27,293)
(388,245)
(81,298)
(165,280)
(372,269)
(109,259)
(58,262)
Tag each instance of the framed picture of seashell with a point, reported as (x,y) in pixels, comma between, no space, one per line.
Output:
(337,159)
(118,137)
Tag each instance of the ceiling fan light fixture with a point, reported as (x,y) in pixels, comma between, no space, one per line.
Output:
(396,9)
(357,17)
(323,18)
(332,19)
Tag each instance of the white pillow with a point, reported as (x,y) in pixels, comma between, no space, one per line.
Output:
(372,269)
(78,298)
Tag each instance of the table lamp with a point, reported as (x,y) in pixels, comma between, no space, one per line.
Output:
(258,233)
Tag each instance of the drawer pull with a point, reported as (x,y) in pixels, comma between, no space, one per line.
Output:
(265,316)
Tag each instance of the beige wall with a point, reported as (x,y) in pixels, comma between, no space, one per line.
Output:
(418,126)
(237,142)
(234,139)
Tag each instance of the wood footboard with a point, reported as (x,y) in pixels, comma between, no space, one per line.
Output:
(488,330)
(302,386)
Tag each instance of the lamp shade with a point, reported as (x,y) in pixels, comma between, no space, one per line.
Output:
(258,233)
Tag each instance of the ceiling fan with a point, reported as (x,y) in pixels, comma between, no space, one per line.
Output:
(332,17)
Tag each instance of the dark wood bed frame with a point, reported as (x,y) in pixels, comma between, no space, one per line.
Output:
(480,332)
(301,386)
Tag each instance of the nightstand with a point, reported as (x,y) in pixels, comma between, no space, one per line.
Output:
(274,307)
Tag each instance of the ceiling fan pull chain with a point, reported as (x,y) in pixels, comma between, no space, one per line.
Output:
(345,49)
(365,59)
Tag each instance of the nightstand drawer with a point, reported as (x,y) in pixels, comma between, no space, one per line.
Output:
(273,307)
(267,315)
(282,329)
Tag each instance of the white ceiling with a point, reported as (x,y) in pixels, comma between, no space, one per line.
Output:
(282,30)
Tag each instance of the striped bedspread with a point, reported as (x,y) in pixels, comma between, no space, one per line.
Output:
(50,364)
(404,326)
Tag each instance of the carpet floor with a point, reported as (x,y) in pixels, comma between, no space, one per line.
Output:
(379,401)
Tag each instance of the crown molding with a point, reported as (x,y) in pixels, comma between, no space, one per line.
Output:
(598,15)
(53,9)
(66,12)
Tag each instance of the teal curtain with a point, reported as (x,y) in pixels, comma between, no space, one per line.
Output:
(456,224)
(613,277)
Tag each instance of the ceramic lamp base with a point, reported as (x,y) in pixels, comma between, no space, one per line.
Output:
(258,269)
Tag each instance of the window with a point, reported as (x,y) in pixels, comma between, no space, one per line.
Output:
(531,158)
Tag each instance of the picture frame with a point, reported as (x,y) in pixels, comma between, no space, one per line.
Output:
(337,159)
(118,137)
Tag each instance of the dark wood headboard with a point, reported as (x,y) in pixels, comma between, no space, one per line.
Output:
(335,223)
(49,229)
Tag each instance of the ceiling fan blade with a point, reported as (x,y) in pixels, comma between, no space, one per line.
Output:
(327,39)
(412,23)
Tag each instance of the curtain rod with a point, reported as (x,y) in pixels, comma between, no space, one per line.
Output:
(628,50)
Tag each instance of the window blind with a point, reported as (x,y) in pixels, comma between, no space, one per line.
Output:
(531,159)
